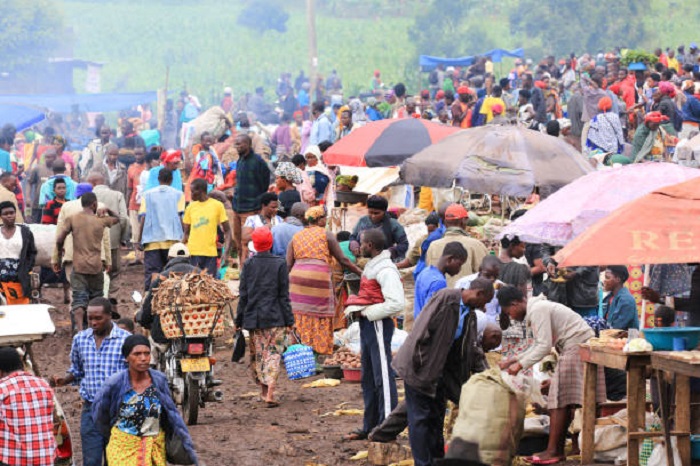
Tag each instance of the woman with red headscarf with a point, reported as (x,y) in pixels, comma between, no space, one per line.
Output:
(652,138)
(605,134)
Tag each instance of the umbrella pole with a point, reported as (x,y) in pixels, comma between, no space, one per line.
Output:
(644,301)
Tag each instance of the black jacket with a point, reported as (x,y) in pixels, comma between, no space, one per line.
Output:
(264,294)
(149,320)
(430,355)
(27,257)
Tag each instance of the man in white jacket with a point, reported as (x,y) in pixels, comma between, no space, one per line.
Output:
(380,298)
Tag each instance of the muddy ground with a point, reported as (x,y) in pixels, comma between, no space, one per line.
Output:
(240,430)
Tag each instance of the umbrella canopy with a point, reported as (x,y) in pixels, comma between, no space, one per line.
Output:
(497,160)
(575,207)
(385,143)
(660,228)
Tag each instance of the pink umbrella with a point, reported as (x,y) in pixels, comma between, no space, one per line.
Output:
(568,212)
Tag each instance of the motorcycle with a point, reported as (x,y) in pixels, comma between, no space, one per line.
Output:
(188,364)
(189,368)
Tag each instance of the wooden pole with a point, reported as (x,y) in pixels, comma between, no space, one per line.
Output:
(313,53)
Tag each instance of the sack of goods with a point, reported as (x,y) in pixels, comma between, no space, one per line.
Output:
(491,416)
(194,303)
(299,362)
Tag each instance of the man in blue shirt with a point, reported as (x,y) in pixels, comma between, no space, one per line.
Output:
(282,234)
(95,356)
(322,128)
(432,278)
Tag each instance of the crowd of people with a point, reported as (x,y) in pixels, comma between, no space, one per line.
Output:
(266,195)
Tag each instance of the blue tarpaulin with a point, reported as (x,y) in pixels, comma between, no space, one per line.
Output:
(19,116)
(427,62)
(63,103)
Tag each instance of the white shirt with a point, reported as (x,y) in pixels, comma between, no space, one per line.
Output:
(11,248)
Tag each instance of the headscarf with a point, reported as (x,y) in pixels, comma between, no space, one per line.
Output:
(667,88)
(289,172)
(82,188)
(605,104)
(358,113)
(297,113)
(314,213)
(132,342)
(313,150)
(440,95)
(171,156)
(655,117)
(347,180)
(59,139)
(262,239)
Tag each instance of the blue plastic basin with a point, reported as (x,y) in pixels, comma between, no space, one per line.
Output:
(662,338)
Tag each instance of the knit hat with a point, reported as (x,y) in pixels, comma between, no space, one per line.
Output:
(262,239)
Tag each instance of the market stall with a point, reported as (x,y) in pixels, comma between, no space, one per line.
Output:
(635,364)
(682,365)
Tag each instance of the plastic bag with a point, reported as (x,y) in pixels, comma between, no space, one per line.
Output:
(658,456)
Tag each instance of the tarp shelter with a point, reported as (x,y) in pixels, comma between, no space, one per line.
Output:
(21,117)
(427,63)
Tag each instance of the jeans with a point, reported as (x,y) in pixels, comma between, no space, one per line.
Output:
(205,263)
(93,442)
(426,419)
(153,263)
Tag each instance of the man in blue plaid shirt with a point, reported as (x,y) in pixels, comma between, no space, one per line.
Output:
(95,356)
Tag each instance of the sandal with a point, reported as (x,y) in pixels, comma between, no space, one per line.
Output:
(271,404)
(537,460)
(358,434)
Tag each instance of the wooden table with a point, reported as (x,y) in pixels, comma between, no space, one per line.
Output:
(635,365)
(683,371)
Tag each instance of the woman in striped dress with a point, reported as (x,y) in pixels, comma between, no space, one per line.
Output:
(310,285)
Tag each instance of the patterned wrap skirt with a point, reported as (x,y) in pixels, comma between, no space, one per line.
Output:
(131,450)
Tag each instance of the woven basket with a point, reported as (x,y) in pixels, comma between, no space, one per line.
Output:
(197,320)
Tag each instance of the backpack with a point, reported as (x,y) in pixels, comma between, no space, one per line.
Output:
(433,77)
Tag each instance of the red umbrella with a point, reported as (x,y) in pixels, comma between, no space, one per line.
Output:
(385,143)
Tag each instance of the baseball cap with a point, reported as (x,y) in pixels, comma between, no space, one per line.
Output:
(178,250)
(456,212)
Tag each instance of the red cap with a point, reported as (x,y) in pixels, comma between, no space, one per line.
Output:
(456,212)
(171,156)
(463,90)
(440,94)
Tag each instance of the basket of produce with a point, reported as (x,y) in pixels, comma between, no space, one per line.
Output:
(193,304)
(349,362)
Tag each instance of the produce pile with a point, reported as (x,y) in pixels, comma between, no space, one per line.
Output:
(611,338)
(198,297)
(344,358)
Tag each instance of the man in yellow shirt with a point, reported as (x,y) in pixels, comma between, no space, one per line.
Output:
(202,219)
(673,61)
(490,101)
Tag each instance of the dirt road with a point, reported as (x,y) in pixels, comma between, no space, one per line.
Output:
(240,430)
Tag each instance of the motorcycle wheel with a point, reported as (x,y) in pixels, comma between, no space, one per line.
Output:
(190,402)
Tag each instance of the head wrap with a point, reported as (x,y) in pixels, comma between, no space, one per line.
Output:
(456,212)
(655,117)
(262,239)
(82,188)
(289,172)
(297,113)
(313,150)
(440,94)
(540,84)
(389,94)
(605,104)
(462,90)
(171,156)
(59,139)
(377,202)
(347,180)
(497,109)
(667,88)
(314,213)
(132,342)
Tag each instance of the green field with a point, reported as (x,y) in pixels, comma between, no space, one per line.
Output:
(207,50)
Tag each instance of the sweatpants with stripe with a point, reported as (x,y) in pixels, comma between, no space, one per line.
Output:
(378,378)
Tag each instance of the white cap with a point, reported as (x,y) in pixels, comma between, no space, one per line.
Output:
(228,90)
(178,250)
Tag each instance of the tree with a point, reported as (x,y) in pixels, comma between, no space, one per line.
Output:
(442,30)
(565,26)
(262,15)
(29,31)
